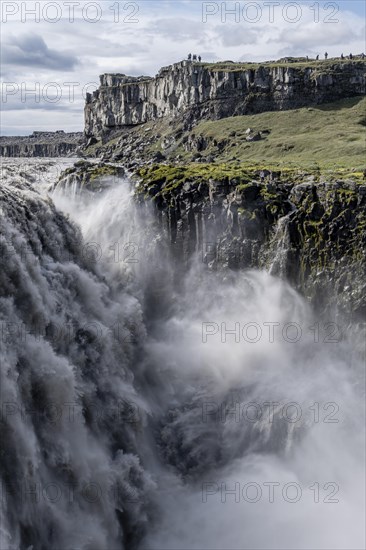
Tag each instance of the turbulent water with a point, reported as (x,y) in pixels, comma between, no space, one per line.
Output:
(150,405)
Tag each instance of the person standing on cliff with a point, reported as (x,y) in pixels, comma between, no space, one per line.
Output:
(189,57)
(326,55)
(199,59)
(317,57)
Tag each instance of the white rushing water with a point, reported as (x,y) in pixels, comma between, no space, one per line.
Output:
(153,407)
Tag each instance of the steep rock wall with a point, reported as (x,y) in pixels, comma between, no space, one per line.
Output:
(199,90)
(41,144)
(313,235)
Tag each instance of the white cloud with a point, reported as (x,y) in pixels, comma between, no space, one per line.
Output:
(177,29)
(234,35)
(30,50)
(166,32)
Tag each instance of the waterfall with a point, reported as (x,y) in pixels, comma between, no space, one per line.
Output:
(281,245)
(148,409)
(70,465)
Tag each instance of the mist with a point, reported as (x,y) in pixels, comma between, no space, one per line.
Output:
(245,385)
(247,409)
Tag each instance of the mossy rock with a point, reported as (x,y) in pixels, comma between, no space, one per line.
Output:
(88,176)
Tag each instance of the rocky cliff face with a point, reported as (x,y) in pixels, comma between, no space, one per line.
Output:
(41,144)
(313,235)
(216,91)
(309,232)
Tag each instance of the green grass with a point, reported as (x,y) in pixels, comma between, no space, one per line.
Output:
(325,141)
(327,136)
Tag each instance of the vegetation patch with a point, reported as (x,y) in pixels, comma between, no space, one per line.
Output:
(327,136)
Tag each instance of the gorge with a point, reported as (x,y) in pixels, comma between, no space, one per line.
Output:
(182,318)
(215,177)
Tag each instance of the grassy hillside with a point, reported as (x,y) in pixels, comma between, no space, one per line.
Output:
(328,136)
(326,142)
(327,139)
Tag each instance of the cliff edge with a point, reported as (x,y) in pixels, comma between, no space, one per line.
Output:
(215,91)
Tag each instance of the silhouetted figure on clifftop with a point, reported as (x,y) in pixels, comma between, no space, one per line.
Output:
(326,55)
(317,57)
(199,58)
(189,57)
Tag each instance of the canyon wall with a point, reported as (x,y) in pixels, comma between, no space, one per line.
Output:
(310,234)
(216,91)
(41,144)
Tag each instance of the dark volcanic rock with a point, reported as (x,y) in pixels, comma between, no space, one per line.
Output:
(312,235)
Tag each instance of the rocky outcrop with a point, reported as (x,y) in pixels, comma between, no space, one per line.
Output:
(41,144)
(88,177)
(313,235)
(216,91)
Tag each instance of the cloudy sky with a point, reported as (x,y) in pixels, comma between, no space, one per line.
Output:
(54,51)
